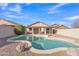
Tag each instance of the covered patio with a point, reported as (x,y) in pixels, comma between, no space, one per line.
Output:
(38,28)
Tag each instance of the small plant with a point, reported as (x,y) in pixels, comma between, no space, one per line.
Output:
(19,30)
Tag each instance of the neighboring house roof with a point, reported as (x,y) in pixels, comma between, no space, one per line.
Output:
(57,26)
(63,27)
(38,24)
(7,22)
(54,26)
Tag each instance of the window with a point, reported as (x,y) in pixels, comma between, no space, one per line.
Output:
(30,29)
(42,29)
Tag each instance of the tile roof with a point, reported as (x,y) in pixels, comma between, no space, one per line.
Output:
(38,22)
(9,21)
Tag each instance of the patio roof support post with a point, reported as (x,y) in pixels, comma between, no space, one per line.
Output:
(50,30)
(32,31)
(45,31)
(39,30)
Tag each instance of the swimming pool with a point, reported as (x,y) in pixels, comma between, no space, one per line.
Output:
(45,44)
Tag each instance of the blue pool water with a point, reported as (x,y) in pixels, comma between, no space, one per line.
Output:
(44,43)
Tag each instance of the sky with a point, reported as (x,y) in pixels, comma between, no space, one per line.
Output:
(50,13)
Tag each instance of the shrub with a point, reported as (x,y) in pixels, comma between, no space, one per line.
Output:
(19,29)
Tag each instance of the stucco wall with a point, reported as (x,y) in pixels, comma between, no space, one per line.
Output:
(6,31)
(69,32)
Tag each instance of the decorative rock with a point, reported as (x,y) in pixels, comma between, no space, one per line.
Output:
(20,47)
(24,45)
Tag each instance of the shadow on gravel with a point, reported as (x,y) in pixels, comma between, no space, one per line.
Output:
(3,41)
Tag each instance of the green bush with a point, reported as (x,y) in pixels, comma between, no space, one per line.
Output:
(19,30)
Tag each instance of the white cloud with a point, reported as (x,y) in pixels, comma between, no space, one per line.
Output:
(62,22)
(16,8)
(10,15)
(58,22)
(58,5)
(72,18)
(3,6)
(28,4)
(54,9)
(25,4)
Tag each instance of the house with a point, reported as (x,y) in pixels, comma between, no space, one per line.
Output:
(43,28)
(7,22)
(6,28)
(6,31)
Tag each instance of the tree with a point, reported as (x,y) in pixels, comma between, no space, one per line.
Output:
(19,29)
(75,23)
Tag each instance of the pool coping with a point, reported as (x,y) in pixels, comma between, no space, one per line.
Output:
(50,51)
(11,39)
